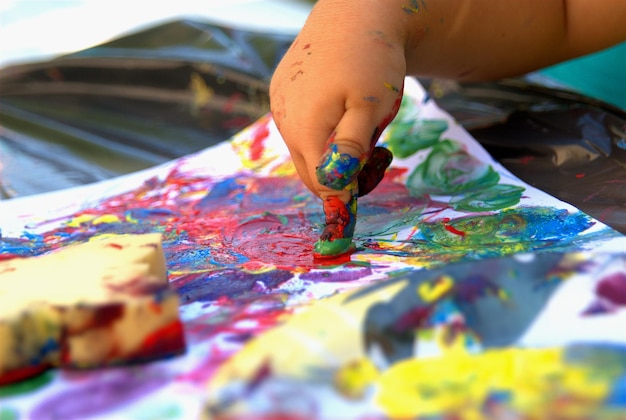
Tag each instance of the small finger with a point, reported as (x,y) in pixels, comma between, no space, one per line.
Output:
(374,170)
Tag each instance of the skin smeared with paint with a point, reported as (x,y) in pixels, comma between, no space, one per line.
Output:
(358,176)
(338,170)
(336,239)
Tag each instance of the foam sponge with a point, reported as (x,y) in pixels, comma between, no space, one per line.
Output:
(104,302)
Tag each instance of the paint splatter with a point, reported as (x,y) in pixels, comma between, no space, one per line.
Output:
(392,87)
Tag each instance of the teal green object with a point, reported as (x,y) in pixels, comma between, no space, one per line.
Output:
(600,75)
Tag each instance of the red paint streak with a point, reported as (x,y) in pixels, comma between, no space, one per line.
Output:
(452,229)
(579,176)
(306,47)
(167,340)
(259,135)
(17,375)
(116,246)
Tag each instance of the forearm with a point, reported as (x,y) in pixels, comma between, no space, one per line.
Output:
(487,39)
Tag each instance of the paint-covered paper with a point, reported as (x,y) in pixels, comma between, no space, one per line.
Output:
(461,271)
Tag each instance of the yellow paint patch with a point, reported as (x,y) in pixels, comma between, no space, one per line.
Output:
(79,220)
(432,291)
(105,218)
(353,379)
(536,382)
(202,93)
(391,87)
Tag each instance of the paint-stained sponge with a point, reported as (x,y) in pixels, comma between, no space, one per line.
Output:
(100,303)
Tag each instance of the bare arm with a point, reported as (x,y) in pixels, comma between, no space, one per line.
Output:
(487,39)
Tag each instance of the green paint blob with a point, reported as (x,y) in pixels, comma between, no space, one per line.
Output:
(496,197)
(26,386)
(405,138)
(451,170)
(333,248)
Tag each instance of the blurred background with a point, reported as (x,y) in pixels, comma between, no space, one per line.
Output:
(92,89)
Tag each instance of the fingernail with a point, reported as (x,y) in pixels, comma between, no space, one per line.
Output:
(338,170)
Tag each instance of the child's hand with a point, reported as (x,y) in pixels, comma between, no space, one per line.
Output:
(336,89)
(333,93)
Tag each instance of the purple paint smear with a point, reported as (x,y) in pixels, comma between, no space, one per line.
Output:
(98,396)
